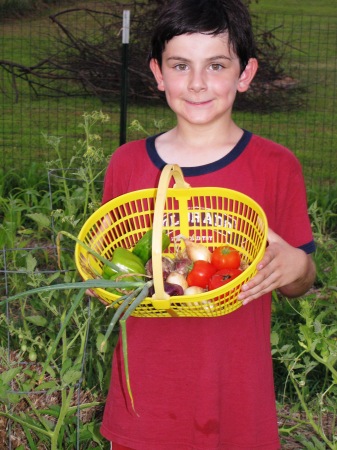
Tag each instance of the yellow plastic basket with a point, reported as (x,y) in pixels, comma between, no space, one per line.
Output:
(210,215)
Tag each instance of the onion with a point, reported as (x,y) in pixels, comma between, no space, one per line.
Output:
(182,265)
(167,267)
(193,290)
(196,251)
(170,288)
(173,289)
(177,278)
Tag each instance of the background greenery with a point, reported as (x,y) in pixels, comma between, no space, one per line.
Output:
(305,37)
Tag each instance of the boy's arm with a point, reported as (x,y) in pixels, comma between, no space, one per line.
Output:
(283,267)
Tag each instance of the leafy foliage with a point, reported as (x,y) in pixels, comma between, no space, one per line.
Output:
(305,351)
(54,336)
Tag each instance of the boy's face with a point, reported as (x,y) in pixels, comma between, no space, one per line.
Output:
(201,76)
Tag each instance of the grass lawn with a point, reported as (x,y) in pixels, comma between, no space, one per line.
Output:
(300,7)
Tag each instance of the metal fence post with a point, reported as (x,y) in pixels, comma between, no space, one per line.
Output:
(124,87)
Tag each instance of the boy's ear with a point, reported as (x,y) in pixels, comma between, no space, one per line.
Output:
(156,70)
(247,75)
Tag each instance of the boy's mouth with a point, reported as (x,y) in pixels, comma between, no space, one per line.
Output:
(198,103)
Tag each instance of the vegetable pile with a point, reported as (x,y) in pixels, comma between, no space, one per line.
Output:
(192,271)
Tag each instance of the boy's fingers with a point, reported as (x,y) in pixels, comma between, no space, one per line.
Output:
(90,293)
(272,236)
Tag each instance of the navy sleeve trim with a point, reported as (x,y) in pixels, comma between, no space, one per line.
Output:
(310,247)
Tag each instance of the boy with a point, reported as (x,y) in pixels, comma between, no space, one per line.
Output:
(207,383)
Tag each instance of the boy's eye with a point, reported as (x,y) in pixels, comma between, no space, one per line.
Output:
(180,66)
(216,66)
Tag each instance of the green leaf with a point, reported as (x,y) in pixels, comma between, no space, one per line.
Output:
(51,371)
(30,262)
(99,340)
(37,320)
(29,437)
(26,232)
(7,396)
(71,376)
(274,338)
(67,364)
(41,219)
(52,278)
(7,376)
(100,373)
(51,385)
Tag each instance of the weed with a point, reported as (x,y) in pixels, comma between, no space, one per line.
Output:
(305,352)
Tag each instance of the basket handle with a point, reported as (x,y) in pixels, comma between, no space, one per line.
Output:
(169,171)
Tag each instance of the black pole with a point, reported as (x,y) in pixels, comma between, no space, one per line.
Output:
(124,78)
(124,95)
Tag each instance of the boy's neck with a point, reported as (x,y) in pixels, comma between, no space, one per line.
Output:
(197,146)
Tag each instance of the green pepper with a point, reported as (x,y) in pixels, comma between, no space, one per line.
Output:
(108,272)
(143,248)
(127,262)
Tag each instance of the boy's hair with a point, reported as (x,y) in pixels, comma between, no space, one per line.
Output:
(209,17)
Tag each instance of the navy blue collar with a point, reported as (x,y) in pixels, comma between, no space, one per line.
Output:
(207,168)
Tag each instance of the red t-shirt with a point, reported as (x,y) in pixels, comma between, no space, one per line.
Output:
(206,383)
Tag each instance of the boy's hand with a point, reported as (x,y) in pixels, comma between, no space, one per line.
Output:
(283,267)
(90,293)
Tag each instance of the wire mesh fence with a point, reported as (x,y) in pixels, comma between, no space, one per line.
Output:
(39,101)
(52,377)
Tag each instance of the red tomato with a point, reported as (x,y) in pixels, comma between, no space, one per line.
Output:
(225,257)
(200,274)
(222,277)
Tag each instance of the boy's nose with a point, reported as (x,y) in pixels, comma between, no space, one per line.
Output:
(197,82)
